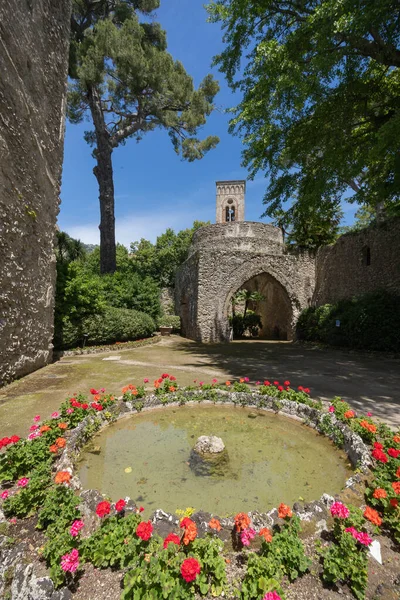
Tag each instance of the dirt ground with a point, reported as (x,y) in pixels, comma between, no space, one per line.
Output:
(367,382)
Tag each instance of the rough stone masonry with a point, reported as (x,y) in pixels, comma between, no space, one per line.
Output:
(34,42)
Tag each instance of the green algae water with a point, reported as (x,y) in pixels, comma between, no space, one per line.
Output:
(272,459)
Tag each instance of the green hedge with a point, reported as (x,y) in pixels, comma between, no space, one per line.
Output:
(111,325)
(370,322)
(170,321)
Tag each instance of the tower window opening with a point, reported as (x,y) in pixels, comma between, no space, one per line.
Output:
(229,214)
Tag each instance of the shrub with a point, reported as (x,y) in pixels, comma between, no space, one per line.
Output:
(170,321)
(370,322)
(240,324)
(113,325)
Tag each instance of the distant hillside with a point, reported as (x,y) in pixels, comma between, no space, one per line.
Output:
(89,247)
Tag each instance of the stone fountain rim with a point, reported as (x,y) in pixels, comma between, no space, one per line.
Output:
(355,449)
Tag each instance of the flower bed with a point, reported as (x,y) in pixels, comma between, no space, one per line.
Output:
(106,348)
(37,476)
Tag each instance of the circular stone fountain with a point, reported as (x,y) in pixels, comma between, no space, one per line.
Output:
(209,457)
(267,459)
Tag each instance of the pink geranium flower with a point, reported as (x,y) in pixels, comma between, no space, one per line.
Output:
(23,482)
(369,414)
(247,535)
(360,536)
(34,435)
(33,427)
(70,411)
(271,596)
(146,380)
(36,418)
(54,415)
(331,409)
(76,527)
(4,495)
(338,509)
(70,562)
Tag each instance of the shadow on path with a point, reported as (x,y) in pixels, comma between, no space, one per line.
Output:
(367,382)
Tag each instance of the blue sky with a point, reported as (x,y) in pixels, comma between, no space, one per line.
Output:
(154,188)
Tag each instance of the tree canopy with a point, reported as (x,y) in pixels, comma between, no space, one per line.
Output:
(160,261)
(320,112)
(126,81)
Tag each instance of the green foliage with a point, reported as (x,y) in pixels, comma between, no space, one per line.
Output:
(287,550)
(262,576)
(212,578)
(288,394)
(369,322)
(57,545)
(170,321)
(158,576)
(123,76)
(24,456)
(241,324)
(78,296)
(28,499)
(114,543)
(160,261)
(309,225)
(165,385)
(59,509)
(346,562)
(319,110)
(113,325)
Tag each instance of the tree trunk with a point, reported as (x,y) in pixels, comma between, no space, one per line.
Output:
(104,175)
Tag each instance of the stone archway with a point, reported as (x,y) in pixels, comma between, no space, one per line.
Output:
(274,309)
(225,257)
(274,277)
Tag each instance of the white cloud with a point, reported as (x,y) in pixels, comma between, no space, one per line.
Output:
(132,227)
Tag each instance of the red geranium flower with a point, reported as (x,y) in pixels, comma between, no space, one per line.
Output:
(164,376)
(379,455)
(190,568)
(378,446)
(287,382)
(267,383)
(103,509)
(306,390)
(171,538)
(120,505)
(144,530)
(393,452)
(280,388)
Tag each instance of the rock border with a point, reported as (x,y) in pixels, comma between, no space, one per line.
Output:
(26,584)
(357,452)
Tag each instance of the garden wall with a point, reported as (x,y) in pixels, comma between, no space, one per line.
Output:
(34,38)
(358,263)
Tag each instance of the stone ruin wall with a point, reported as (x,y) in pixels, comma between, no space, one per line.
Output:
(225,256)
(342,270)
(34,40)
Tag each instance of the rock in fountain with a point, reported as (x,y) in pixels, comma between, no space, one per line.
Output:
(209,457)
(209,444)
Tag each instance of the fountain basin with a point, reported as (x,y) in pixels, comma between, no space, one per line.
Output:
(272,459)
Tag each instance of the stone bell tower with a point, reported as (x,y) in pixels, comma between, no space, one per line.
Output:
(230,201)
